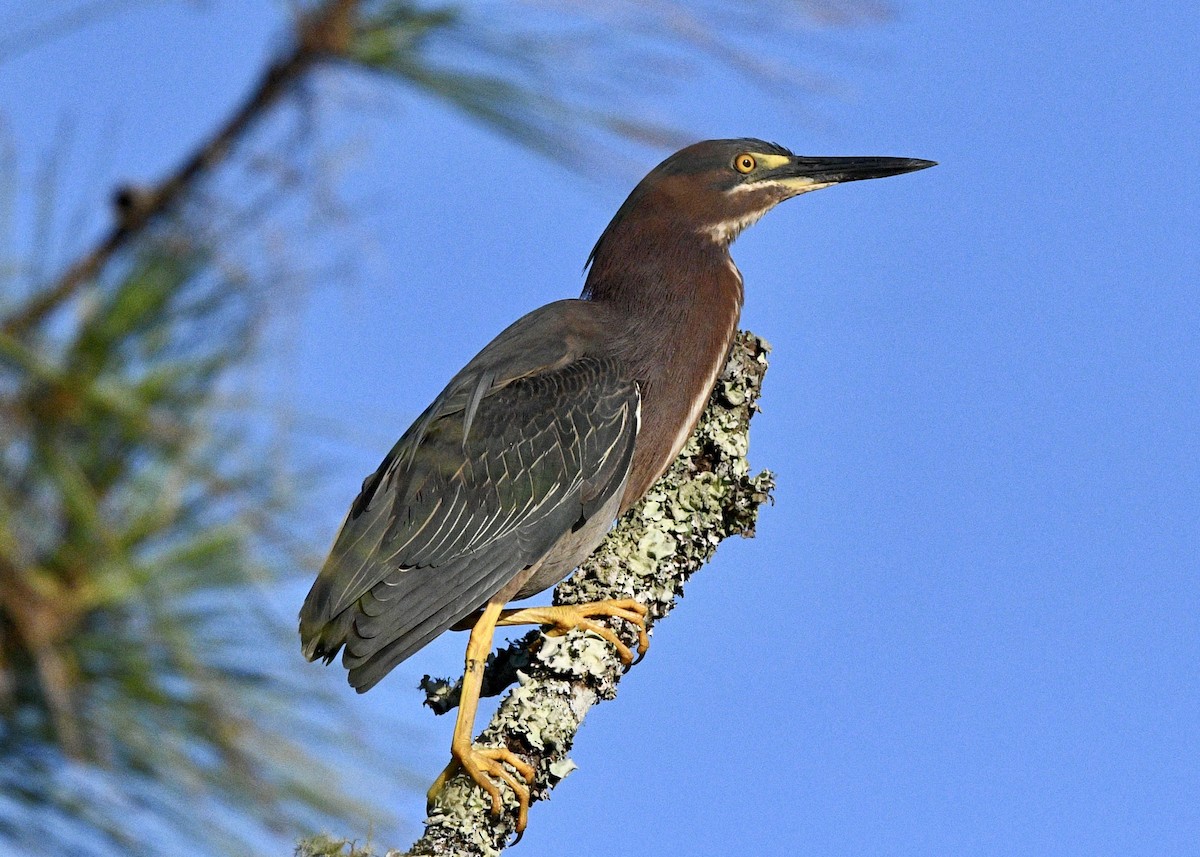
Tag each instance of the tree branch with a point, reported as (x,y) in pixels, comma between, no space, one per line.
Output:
(323,34)
(706,496)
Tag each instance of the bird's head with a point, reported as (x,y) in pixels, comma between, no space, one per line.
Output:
(717,188)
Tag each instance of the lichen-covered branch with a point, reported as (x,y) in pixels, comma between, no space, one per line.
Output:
(708,495)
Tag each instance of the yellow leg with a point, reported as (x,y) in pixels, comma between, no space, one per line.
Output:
(567,616)
(483,763)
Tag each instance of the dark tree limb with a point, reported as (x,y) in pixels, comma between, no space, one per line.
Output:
(325,33)
(708,495)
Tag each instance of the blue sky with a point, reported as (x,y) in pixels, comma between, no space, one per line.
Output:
(970,624)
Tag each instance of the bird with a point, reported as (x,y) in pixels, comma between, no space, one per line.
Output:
(518,468)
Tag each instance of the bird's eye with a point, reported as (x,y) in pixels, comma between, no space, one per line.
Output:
(744,163)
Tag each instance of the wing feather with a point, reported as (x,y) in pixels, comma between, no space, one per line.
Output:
(481,487)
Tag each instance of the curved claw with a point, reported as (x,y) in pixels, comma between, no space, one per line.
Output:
(486,765)
(483,764)
(638,620)
(564,617)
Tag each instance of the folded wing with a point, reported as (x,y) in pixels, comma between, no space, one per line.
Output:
(523,446)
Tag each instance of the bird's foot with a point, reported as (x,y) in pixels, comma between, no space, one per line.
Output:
(484,765)
(565,617)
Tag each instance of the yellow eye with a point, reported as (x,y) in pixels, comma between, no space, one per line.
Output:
(744,163)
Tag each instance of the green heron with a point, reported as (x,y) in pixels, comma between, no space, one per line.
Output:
(520,466)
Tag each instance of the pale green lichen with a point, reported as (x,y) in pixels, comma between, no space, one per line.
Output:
(706,496)
(322,845)
(577,653)
(561,769)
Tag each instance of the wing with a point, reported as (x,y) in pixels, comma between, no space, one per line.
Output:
(509,458)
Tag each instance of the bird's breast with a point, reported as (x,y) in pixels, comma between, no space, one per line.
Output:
(677,387)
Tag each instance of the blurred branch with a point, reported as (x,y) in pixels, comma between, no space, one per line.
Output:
(136,518)
(325,32)
(707,496)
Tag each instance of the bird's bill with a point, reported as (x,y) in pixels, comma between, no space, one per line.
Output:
(801,173)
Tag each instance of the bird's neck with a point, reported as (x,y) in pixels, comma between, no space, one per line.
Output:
(675,290)
(675,298)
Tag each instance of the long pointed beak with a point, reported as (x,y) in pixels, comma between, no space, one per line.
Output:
(852,169)
(807,173)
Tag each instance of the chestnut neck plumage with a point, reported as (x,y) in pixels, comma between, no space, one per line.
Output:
(674,296)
